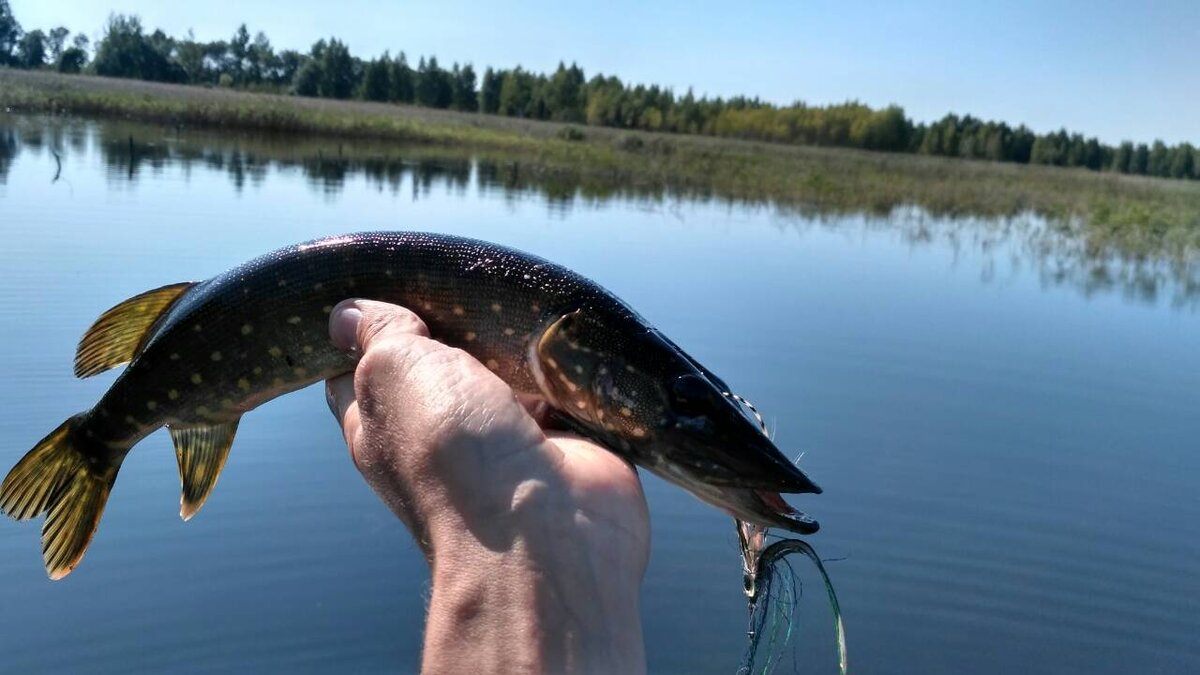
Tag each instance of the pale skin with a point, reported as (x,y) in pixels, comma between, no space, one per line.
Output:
(537,540)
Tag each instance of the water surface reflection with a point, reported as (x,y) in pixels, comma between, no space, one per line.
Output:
(1057,249)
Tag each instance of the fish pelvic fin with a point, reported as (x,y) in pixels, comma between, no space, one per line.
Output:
(201,451)
(118,335)
(62,479)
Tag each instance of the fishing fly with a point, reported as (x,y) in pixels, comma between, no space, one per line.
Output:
(772,587)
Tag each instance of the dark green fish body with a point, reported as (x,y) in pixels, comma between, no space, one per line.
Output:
(201,355)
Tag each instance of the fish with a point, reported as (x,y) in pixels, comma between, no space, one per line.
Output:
(202,354)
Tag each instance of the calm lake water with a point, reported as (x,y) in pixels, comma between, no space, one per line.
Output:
(1005,430)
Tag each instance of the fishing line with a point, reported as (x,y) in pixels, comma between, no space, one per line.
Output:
(753,411)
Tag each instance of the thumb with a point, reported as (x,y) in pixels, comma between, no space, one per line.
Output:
(354,326)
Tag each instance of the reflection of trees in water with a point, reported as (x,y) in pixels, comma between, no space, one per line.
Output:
(9,149)
(124,156)
(1060,252)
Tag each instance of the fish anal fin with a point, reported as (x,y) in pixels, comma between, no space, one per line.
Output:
(201,450)
(117,336)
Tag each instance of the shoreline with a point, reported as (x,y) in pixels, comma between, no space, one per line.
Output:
(1130,215)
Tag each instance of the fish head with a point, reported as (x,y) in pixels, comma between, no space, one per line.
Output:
(616,379)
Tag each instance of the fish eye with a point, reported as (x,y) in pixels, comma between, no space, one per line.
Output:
(691,395)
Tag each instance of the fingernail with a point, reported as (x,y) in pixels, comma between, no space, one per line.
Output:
(343,327)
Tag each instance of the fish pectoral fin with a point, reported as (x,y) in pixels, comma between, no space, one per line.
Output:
(560,366)
(201,450)
(117,336)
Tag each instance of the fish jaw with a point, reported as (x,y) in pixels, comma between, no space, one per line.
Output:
(763,508)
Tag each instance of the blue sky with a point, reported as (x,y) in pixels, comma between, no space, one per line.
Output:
(1114,70)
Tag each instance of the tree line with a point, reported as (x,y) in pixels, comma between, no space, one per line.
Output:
(329,70)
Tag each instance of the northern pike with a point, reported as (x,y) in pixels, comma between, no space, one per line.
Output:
(202,354)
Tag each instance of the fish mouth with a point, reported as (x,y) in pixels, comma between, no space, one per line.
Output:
(760,507)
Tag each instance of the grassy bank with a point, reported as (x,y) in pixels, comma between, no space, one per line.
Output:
(1131,216)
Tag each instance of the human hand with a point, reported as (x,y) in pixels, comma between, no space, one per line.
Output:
(537,541)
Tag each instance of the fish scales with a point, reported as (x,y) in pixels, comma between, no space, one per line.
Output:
(266,322)
(202,355)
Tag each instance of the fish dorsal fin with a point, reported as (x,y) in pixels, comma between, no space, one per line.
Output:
(118,334)
(201,451)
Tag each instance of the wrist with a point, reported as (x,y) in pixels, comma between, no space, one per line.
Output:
(546,597)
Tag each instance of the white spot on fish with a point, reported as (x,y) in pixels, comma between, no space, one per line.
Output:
(300,372)
(227,403)
(470,336)
(552,363)
(151,405)
(458,310)
(130,420)
(630,369)
(639,432)
(496,307)
(535,307)
(509,331)
(275,352)
(388,273)
(579,369)
(306,349)
(318,286)
(215,356)
(278,382)
(293,320)
(247,329)
(196,379)
(244,384)
(282,283)
(626,412)
(328,309)
(526,276)
(580,404)
(174,356)
(493,364)
(173,394)
(197,328)
(203,411)
(257,370)
(426,306)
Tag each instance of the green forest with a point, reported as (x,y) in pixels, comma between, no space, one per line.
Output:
(329,70)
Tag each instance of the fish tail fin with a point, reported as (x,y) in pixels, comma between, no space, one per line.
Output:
(67,479)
